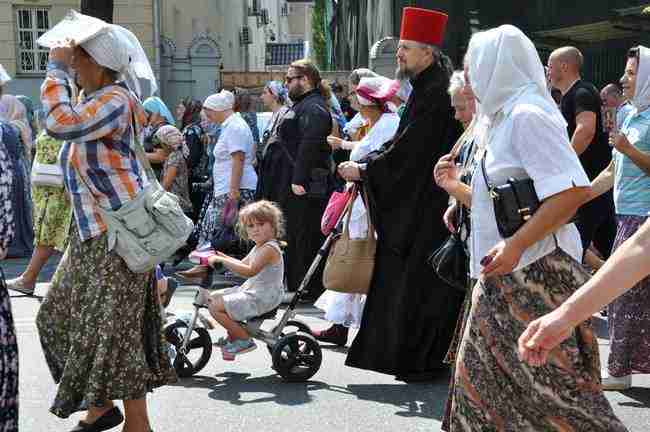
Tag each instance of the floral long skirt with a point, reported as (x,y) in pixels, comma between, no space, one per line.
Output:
(100,329)
(495,391)
(8,364)
(629,316)
(212,216)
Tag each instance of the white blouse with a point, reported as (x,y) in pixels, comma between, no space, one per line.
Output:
(524,141)
(236,136)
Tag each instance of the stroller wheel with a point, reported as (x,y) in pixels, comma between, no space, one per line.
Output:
(199,349)
(297,357)
(292,326)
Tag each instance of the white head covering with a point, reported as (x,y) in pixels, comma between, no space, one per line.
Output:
(111,46)
(224,100)
(641,99)
(4,76)
(503,66)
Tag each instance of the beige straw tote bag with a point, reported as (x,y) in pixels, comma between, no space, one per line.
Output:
(351,262)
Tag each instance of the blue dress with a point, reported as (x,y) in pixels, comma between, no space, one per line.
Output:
(23,241)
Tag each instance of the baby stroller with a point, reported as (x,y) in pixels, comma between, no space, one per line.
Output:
(296,355)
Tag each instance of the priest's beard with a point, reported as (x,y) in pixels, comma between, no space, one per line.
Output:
(403,73)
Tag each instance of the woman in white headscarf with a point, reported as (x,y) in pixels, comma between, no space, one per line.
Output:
(99,324)
(233,176)
(530,273)
(629,175)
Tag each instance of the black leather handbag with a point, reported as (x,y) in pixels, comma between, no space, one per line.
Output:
(450,261)
(514,202)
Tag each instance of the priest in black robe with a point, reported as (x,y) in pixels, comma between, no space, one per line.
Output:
(410,314)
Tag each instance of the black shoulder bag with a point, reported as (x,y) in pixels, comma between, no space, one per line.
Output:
(514,202)
(450,261)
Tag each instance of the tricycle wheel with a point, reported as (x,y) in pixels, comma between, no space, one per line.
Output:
(199,348)
(297,357)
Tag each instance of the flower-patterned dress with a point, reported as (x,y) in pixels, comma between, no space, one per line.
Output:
(8,346)
(52,209)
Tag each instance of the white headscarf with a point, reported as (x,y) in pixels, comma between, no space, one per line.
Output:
(111,46)
(504,66)
(641,99)
(4,76)
(224,100)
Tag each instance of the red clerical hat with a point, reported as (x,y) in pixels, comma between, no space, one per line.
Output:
(423,25)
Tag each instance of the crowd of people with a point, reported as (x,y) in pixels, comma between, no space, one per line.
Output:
(433,150)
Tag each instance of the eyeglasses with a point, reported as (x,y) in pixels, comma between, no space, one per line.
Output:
(288,79)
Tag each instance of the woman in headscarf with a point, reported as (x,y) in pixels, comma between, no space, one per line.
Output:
(18,137)
(8,345)
(629,174)
(99,325)
(244,106)
(274,178)
(174,176)
(372,94)
(233,176)
(158,115)
(15,113)
(530,273)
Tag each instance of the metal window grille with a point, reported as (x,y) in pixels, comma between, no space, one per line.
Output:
(284,11)
(31,23)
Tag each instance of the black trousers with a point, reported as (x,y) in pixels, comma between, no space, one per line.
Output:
(596,223)
(304,239)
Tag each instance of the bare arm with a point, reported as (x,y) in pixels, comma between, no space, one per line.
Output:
(158,156)
(236,172)
(169,177)
(626,267)
(603,183)
(266,256)
(585,131)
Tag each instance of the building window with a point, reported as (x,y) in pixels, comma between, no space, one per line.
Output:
(31,23)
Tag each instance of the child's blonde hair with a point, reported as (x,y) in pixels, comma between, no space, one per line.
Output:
(261,211)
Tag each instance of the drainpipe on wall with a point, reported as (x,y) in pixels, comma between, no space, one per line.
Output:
(246,48)
(156,40)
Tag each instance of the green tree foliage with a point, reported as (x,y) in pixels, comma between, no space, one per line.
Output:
(319,33)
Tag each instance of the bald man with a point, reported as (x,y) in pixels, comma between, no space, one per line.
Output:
(581,108)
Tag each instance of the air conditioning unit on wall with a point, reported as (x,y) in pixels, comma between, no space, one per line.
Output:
(254,8)
(245,36)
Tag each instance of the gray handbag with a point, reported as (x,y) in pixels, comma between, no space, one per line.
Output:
(151,227)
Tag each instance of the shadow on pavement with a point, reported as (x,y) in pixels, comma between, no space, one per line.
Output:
(232,387)
(641,398)
(413,400)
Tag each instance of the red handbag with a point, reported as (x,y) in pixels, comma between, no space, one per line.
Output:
(334,210)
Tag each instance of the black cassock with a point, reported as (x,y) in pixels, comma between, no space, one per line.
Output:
(410,314)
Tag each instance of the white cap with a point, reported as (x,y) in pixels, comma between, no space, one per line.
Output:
(222,101)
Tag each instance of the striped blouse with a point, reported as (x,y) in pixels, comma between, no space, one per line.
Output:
(98,164)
